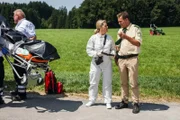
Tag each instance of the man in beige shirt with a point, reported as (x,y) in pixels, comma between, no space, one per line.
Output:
(128,48)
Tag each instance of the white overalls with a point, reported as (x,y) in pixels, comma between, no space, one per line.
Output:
(94,46)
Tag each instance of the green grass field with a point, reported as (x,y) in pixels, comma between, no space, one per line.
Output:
(159,62)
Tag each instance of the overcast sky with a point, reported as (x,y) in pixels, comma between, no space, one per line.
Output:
(54,3)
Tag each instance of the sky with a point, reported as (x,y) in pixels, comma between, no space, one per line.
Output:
(69,4)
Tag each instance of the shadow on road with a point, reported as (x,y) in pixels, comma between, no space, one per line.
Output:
(148,106)
(46,103)
(153,107)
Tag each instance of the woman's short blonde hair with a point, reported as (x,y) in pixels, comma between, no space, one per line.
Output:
(99,24)
(20,13)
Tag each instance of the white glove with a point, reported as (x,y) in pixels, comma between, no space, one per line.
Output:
(99,53)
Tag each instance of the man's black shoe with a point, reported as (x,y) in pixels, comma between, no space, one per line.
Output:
(14,93)
(18,97)
(121,105)
(136,108)
(1,101)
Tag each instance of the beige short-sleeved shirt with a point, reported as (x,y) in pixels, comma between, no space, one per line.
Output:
(126,47)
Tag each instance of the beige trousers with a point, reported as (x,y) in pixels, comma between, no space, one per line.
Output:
(128,69)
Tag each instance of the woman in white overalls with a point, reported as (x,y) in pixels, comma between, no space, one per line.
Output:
(100,45)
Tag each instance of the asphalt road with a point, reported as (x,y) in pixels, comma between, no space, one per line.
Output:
(58,107)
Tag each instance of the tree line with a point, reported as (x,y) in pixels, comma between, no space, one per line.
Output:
(142,12)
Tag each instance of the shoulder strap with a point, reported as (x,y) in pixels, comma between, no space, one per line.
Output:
(105,39)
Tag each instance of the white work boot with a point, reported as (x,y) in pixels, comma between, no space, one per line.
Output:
(108,105)
(90,103)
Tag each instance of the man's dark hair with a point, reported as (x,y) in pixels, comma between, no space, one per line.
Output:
(124,15)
